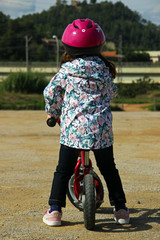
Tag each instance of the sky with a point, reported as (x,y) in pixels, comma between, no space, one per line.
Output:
(148,9)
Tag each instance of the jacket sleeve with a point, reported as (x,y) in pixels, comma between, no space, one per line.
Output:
(53,95)
(113,89)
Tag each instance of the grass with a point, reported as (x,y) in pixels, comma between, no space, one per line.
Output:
(12,96)
(19,101)
(132,100)
(22,101)
(141,99)
(25,82)
(152,107)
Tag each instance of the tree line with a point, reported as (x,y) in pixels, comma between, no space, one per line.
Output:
(116,20)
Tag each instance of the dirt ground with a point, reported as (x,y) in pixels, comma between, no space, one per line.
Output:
(28,157)
(135,107)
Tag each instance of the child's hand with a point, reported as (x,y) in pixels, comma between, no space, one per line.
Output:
(48,116)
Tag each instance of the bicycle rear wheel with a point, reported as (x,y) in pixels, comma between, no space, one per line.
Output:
(89,203)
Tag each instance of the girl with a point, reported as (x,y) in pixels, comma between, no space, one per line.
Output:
(80,93)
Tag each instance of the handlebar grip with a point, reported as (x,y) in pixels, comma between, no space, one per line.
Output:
(51,122)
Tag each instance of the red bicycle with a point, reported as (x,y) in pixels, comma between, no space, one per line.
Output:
(85,189)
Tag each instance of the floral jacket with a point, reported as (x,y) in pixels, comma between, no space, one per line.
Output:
(80,93)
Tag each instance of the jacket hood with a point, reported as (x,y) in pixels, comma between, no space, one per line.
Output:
(88,67)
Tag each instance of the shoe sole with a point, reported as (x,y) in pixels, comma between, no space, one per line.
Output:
(122,221)
(51,223)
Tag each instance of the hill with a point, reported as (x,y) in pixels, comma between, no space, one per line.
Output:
(115,19)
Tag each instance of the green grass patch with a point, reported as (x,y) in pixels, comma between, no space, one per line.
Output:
(17,93)
(152,107)
(13,101)
(25,82)
(132,100)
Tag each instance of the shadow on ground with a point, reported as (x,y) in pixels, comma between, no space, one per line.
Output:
(140,219)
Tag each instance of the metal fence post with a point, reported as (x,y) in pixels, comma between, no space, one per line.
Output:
(155,103)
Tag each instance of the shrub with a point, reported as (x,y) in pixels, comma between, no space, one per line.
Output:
(116,108)
(137,57)
(25,82)
(140,86)
(152,107)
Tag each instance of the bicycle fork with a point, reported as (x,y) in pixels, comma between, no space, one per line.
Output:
(84,167)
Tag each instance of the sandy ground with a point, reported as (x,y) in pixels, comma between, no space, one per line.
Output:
(28,157)
(135,107)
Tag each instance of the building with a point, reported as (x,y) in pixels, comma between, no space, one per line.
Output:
(154,56)
(110,55)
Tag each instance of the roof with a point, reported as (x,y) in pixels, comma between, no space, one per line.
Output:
(153,53)
(110,54)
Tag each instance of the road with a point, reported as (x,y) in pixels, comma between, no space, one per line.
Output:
(28,157)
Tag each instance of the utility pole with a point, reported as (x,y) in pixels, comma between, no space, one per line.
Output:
(57,43)
(27,50)
(120,59)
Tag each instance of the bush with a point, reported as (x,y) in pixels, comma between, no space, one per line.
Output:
(137,57)
(25,82)
(151,107)
(116,108)
(140,86)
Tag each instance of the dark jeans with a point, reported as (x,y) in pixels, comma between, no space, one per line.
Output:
(65,168)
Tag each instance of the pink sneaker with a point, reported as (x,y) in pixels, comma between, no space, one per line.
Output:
(53,218)
(121,216)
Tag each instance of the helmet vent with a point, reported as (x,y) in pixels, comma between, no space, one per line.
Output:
(90,26)
(76,26)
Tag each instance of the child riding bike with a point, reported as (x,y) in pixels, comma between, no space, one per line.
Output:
(80,93)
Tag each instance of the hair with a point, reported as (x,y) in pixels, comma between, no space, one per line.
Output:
(68,58)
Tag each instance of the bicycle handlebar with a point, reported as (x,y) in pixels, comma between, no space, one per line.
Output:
(51,122)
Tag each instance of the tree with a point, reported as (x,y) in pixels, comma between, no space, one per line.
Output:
(115,20)
(137,57)
(93,1)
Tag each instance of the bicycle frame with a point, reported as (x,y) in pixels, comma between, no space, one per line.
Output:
(85,164)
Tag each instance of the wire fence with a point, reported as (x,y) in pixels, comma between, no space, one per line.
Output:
(152,104)
(54,63)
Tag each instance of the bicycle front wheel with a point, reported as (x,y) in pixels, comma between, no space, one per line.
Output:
(89,203)
(71,192)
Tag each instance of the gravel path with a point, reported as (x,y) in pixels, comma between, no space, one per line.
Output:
(28,157)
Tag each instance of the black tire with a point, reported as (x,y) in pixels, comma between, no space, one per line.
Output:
(99,201)
(71,193)
(72,197)
(89,204)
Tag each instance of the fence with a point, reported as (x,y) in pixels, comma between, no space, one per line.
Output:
(127,73)
(123,104)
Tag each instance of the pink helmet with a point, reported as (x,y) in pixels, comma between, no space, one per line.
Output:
(83,36)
